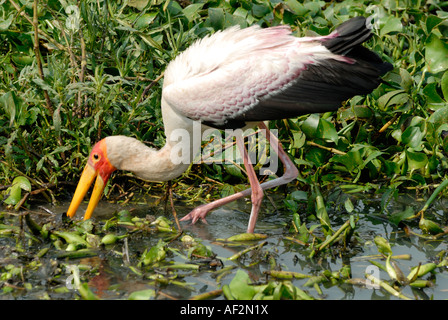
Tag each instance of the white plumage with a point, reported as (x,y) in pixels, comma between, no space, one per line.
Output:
(226,74)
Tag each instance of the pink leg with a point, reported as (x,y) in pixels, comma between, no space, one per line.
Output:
(290,173)
(257,191)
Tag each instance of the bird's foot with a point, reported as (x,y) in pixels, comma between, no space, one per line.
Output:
(196,214)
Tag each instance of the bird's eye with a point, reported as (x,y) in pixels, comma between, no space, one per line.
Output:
(96,156)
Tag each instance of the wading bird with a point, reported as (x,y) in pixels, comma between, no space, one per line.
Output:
(238,78)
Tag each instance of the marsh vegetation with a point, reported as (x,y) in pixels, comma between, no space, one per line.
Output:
(371,194)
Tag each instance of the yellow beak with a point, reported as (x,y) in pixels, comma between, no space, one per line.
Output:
(84,184)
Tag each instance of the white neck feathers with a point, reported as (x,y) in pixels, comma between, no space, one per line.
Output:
(129,154)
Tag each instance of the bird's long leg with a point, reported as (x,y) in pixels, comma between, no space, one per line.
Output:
(290,173)
(290,170)
(256,190)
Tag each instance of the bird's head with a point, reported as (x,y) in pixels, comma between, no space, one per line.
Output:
(99,166)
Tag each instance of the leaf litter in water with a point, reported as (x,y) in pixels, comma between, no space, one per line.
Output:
(162,262)
(389,142)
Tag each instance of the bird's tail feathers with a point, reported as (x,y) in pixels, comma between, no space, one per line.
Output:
(346,40)
(348,35)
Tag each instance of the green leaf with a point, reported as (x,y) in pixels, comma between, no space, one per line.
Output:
(313,7)
(421,270)
(383,245)
(439,117)
(436,54)
(22,59)
(296,220)
(14,193)
(233,170)
(358,111)
(8,103)
(4,24)
(406,79)
(155,254)
(142,294)
(260,10)
(240,286)
(444,85)
(86,293)
(431,93)
(247,237)
(310,125)
(72,239)
(57,120)
(22,183)
(321,213)
(191,11)
(145,20)
(216,18)
(349,205)
(299,139)
(16,109)
(432,22)
(327,131)
(391,168)
(13,196)
(416,160)
(429,226)
(240,12)
(316,156)
(299,195)
(397,217)
(412,137)
(393,98)
(351,160)
(139,4)
(296,7)
(392,24)
(390,270)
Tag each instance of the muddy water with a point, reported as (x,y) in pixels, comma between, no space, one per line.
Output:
(118,279)
(226,222)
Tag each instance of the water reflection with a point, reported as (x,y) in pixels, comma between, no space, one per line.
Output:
(113,276)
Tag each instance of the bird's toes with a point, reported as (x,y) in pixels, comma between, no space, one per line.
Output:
(195,215)
(186,218)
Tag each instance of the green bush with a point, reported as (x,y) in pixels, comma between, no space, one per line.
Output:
(99,60)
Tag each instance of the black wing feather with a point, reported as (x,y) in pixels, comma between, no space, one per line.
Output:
(324,86)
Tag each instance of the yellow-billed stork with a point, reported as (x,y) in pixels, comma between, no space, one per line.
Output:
(238,78)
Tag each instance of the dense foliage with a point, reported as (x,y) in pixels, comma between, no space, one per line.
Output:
(72,72)
(92,75)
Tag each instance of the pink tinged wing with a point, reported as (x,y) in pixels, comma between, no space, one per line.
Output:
(258,74)
(259,63)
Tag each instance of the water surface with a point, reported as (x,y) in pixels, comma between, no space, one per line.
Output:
(111,276)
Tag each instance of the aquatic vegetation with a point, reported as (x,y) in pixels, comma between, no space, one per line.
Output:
(97,70)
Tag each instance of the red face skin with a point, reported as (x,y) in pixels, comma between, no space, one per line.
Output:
(99,161)
(97,166)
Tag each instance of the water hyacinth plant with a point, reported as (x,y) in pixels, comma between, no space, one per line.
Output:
(75,72)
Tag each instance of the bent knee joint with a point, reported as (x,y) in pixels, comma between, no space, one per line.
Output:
(257,195)
(290,174)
